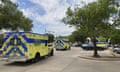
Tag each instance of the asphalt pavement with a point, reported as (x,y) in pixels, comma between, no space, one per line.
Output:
(74,60)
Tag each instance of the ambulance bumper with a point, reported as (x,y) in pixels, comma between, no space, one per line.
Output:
(14,59)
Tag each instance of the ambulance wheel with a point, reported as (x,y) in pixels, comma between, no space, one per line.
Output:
(37,57)
(52,53)
(66,48)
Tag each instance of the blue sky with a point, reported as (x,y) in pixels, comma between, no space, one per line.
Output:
(46,14)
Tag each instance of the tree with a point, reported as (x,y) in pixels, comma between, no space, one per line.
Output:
(13,19)
(78,36)
(116,19)
(115,36)
(92,19)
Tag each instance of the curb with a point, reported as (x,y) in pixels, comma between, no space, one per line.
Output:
(102,58)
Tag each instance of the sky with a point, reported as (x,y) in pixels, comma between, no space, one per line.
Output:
(47,14)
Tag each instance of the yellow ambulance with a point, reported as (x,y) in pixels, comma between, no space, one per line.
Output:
(62,44)
(24,46)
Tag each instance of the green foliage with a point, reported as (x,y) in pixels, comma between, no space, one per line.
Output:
(13,19)
(115,37)
(78,36)
(92,19)
(101,39)
(117,20)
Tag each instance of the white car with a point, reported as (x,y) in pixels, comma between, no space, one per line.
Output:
(87,46)
(116,49)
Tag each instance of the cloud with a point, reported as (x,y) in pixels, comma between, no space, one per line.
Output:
(49,14)
(0,2)
(55,11)
(27,12)
(61,29)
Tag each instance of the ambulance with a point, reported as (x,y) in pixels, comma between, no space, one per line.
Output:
(62,44)
(24,46)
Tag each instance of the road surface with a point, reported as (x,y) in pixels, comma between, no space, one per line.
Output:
(63,61)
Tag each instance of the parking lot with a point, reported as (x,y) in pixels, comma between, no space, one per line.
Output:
(63,61)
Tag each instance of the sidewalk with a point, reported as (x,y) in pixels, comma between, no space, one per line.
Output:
(105,55)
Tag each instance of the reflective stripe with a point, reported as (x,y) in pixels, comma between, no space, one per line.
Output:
(24,46)
(7,37)
(8,53)
(7,45)
(21,44)
(20,52)
(30,40)
(12,49)
(59,43)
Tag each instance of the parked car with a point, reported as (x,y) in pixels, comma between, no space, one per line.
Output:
(116,49)
(99,45)
(86,46)
(76,44)
(102,45)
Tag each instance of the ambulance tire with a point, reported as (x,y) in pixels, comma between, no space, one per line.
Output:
(52,53)
(66,48)
(37,57)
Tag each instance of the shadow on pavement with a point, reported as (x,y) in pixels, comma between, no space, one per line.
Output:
(62,50)
(18,64)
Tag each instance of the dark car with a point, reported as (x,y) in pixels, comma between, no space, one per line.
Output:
(76,44)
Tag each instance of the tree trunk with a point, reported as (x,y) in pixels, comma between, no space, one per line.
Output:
(95,48)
